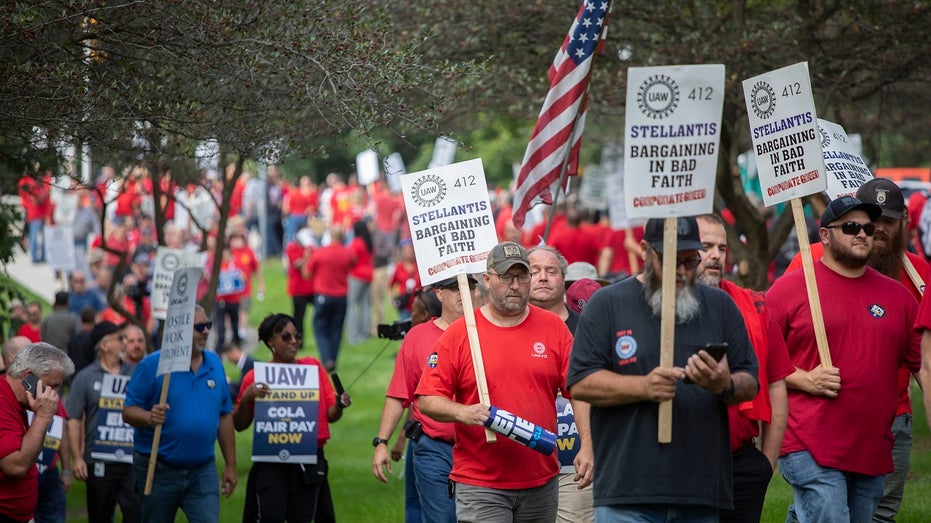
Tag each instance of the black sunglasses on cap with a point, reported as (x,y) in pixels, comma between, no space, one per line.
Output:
(205,326)
(853,228)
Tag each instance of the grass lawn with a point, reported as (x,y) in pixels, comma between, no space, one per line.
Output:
(365,370)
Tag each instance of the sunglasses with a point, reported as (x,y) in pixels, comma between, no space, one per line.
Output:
(853,228)
(205,326)
(287,337)
(688,263)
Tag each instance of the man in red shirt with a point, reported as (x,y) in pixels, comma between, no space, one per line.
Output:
(526,355)
(330,266)
(300,285)
(32,329)
(20,442)
(753,468)
(431,442)
(888,256)
(838,446)
(34,194)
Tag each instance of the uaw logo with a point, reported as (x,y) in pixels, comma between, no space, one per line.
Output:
(876,311)
(539,350)
(825,138)
(429,190)
(625,347)
(432,360)
(171,262)
(658,96)
(763,100)
(182,284)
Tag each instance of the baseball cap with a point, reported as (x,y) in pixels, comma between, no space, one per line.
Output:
(841,206)
(580,292)
(505,255)
(884,193)
(579,270)
(686,227)
(102,329)
(453,282)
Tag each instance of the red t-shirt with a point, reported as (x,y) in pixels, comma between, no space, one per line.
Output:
(387,210)
(525,366)
(300,203)
(577,244)
(18,496)
(904,378)
(406,279)
(327,396)
(236,197)
(774,366)
(245,259)
(869,323)
(33,333)
(418,345)
(614,238)
(298,285)
(364,268)
(34,196)
(330,266)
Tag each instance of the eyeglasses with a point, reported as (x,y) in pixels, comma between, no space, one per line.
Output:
(508,279)
(205,326)
(287,337)
(853,228)
(688,263)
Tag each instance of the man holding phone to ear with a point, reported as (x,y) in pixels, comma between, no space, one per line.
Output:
(615,366)
(29,384)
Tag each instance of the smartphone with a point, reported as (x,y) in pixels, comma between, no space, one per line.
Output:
(717,350)
(31,383)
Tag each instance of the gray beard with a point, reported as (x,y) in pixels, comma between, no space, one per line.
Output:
(687,303)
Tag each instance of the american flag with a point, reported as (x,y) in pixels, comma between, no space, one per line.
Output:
(562,117)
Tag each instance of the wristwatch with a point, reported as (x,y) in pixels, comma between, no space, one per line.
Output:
(728,393)
(378,441)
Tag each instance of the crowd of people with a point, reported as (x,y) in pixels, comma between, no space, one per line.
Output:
(570,335)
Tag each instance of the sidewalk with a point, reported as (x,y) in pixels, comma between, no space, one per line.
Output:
(38,278)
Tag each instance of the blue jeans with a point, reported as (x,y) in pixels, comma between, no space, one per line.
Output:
(656,514)
(195,490)
(894,486)
(292,224)
(434,460)
(329,316)
(51,508)
(412,512)
(37,240)
(826,495)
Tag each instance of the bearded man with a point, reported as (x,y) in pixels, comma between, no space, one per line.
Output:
(837,447)
(615,367)
(887,256)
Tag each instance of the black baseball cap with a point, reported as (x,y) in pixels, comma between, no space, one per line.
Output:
(453,282)
(884,193)
(843,205)
(688,238)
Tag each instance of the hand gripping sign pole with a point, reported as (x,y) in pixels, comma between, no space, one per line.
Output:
(475,347)
(671,138)
(787,144)
(452,231)
(177,341)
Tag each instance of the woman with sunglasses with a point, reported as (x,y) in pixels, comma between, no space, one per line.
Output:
(278,492)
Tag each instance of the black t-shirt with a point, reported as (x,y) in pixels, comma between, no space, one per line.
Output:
(619,333)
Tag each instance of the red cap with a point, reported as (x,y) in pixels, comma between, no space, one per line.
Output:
(579,292)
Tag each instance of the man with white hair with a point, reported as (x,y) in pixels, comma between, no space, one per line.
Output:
(29,384)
